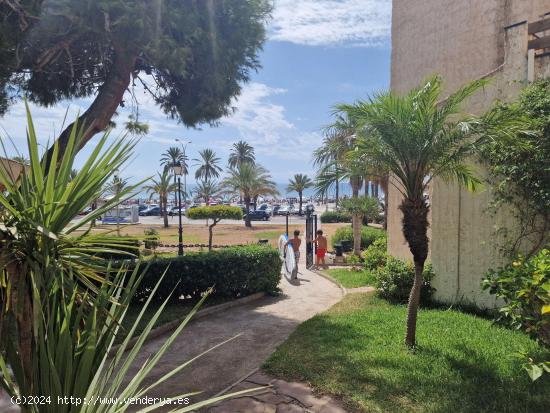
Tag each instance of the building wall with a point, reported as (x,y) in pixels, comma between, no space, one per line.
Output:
(461,40)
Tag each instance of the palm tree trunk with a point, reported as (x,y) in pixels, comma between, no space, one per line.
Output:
(384,184)
(165,214)
(300,195)
(356,223)
(337,191)
(247,222)
(412,307)
(415,230)
(356,220)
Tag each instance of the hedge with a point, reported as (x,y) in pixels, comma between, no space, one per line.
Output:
(332,217)
(233,272)
(368,235)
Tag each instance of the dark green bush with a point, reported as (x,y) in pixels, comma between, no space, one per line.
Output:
(375,256)
(332,217)
(395,280)
(368,235)
(233,272)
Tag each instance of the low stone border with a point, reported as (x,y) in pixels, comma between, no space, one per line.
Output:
(172,325)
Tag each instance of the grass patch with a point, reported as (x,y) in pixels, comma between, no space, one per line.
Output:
(352,279)
(463,363)
(270,235)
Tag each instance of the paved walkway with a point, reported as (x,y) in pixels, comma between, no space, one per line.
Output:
(263,325)
(277,396)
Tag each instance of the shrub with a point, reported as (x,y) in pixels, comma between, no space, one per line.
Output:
(524,285)
(216,213)
(368,235)
(395,280)
(332,217)
(151,240)
(233,272)
(375,256)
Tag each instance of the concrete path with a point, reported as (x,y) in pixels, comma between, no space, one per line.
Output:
(277,396)
(263,325)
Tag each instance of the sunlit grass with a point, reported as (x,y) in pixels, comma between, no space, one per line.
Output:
(350,278)
(463,363)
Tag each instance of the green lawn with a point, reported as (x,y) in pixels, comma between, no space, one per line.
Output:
(463,363)
(352,279)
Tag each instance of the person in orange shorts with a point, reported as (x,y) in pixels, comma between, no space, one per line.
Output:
(322,245)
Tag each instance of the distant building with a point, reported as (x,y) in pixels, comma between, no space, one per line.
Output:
(464,40)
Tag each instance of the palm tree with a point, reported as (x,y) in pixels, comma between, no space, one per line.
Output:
(417,137)
(174,156)
(298,184)
(162,186)
(341,140)
(250,180)
(241,152)
(206,190)
(114,189)
(208,165)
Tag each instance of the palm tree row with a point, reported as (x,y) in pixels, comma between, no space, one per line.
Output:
(244,177)
(415,138)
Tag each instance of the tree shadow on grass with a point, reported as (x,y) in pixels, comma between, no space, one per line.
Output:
(371,369)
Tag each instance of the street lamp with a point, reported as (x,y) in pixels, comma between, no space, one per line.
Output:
(178,171)
(184,148)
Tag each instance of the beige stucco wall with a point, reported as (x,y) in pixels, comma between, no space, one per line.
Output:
(462,40)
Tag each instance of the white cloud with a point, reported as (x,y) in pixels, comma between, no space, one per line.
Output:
(255,115)
(332,22)
(265,126)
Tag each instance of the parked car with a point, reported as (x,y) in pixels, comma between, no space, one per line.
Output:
(276,209)
(259,215)
(175,211)
(142,207)
(287,210)
(151,211)
(266,208)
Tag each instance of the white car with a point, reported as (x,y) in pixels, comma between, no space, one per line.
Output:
(287,210)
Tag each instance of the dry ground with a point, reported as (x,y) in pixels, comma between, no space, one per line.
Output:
(224,234)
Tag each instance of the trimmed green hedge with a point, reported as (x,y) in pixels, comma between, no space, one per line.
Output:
(368,235)
(332,217)
(233,272)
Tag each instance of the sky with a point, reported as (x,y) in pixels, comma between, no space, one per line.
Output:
(318,53)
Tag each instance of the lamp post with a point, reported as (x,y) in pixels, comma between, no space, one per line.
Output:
(184,148)
(178,171)
(116,191)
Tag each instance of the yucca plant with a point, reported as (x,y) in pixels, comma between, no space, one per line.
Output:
(62,304)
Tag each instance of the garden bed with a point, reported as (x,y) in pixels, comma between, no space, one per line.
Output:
(463,363)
